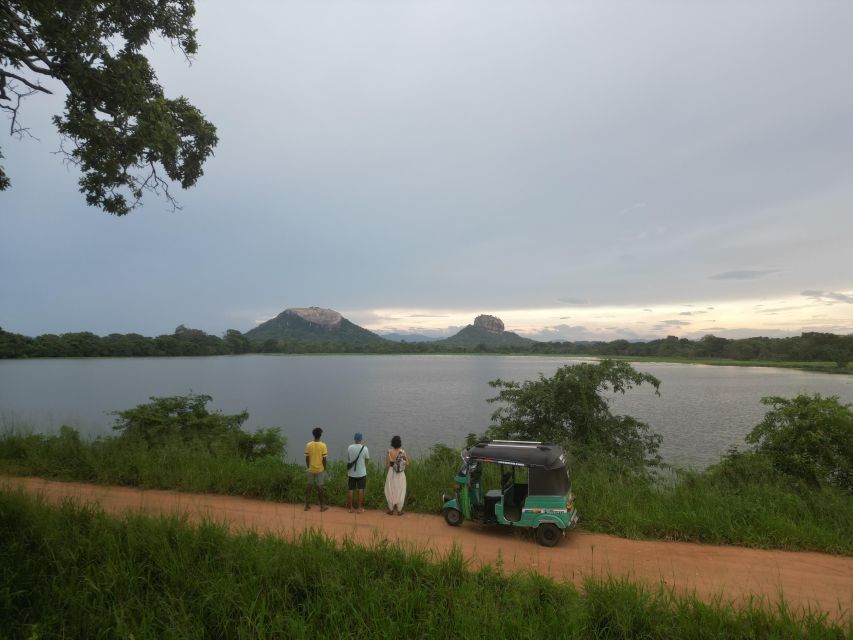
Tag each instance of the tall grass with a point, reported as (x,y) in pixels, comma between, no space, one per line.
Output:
(194,467)
(762,510)
(73,572)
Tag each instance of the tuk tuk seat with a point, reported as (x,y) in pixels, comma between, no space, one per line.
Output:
(493,497)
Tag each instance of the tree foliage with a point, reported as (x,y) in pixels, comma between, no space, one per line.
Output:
(123,133)
(186,419)
(817,348)
(809,437)
(570,407)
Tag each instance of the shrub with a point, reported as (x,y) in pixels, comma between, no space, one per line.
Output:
(808,437)
(186,419)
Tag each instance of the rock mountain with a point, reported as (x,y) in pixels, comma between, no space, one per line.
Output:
(488,331)
(312,325)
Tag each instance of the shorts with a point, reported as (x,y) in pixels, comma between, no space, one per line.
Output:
(356,483)
(315,479)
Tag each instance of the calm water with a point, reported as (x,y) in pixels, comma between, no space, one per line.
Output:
(426,399)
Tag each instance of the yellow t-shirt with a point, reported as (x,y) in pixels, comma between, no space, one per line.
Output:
(315,451)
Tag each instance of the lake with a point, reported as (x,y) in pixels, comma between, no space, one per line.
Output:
(701,411)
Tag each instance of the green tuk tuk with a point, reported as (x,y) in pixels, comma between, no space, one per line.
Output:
(544,502)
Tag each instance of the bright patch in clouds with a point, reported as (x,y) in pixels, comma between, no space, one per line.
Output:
(810,311)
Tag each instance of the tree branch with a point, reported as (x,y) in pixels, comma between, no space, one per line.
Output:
(8,74)
(14,126)
(17,23)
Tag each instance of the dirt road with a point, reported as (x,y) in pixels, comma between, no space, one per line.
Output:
(819,581)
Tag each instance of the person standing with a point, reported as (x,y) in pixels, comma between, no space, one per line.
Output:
(357,458)
(395,480)
(316,453)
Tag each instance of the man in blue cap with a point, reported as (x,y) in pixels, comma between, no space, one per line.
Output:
(357,458)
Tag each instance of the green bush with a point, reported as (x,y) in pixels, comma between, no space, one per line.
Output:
(164,421)
(808,437)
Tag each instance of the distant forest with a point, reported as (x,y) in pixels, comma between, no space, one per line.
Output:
(806,348)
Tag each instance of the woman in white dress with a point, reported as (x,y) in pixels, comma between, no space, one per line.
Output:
(395,481)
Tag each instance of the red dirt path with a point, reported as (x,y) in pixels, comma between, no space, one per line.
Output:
(804,579)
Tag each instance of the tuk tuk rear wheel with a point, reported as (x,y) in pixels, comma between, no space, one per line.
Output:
(548,534)
(453,517)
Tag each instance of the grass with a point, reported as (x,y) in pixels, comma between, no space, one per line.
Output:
(73,572)
(763,511)
(709,507)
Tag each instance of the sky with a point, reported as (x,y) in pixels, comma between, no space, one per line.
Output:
(582,170)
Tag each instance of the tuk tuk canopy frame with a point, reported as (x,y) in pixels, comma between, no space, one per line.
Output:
(548,475)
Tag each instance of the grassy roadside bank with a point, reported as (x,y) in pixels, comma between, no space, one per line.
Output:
(762,511)
(72,571)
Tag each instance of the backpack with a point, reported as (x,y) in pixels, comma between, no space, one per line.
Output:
(399,465)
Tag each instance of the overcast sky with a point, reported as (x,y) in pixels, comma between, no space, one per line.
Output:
(582,170)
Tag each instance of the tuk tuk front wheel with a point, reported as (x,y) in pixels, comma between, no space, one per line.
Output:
(453,517)
(548,534)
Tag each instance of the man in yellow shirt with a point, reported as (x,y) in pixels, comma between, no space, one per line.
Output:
(315,460)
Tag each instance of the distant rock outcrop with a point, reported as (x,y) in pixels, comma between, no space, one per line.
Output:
(312,325)
(491,324)
(326,318)
(487,331)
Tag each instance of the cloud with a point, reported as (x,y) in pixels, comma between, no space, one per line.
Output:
(563,332)
(573,300)
(828,297)
(774,310)
(426,315)
(633,207)
(743,274)
(840,329)
(664,325)
(581,333)
(741,332)
(411,331)
(692,313)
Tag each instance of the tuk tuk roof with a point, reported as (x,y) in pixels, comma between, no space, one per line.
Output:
(527,454)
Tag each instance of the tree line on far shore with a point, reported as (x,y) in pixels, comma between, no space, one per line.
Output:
(808,347)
